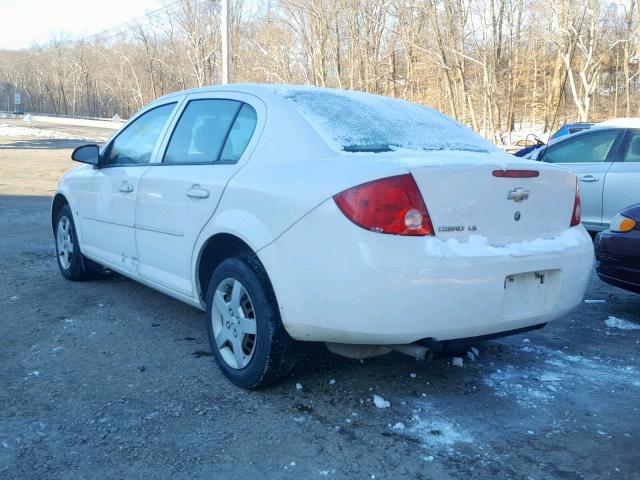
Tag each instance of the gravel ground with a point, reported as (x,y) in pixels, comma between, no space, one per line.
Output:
(110,379)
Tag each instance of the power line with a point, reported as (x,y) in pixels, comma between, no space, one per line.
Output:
(79,41)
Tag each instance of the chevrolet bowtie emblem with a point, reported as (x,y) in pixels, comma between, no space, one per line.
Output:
(518,195)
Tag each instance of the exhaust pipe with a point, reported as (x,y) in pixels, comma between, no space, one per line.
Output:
(365,351)
(413,350)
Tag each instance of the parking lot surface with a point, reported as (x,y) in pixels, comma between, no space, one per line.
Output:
(110,379)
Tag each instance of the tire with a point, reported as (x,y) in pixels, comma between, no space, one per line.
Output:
(69,257)
(240,300)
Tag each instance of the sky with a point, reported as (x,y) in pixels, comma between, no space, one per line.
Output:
(23,22)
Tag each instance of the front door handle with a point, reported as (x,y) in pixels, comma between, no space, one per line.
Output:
(196,192)
(588,178)
(126,187)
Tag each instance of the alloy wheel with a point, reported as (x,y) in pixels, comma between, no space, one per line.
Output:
(64,241)
(234,323)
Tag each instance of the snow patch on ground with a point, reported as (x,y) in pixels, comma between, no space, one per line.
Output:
(519,385)
(478,246)
(434,432)
(457,362)
(534,387)
(380,402)
(619,323)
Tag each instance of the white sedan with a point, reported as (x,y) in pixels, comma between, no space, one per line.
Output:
(304,214)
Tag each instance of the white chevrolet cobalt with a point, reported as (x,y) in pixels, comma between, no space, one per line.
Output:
(305,214)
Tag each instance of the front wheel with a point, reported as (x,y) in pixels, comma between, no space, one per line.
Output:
(247,337)
(70,261)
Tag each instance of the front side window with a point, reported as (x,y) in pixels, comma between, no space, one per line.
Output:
(586,148)
(135,144)
(207,131)
(633,149)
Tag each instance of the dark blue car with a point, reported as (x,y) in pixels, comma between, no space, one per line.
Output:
(618,251)
(566,129)
(569,128)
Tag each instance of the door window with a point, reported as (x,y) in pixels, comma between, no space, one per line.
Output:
(211,131)
(201,131)
(633,148)
(586,148)
(135,144)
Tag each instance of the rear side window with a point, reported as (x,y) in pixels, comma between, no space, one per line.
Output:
(135,144)
(633,149)
(211,131)
(240,135)
(586,148)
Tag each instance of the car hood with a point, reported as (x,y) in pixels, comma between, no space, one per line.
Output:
(632,212)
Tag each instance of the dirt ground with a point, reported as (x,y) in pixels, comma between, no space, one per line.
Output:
(110,379)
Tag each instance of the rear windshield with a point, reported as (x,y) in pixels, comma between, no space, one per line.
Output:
(361,122)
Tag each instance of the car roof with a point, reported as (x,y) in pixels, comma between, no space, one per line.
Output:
(258,89)
(577,124)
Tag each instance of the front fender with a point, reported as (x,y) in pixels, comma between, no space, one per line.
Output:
(67,190)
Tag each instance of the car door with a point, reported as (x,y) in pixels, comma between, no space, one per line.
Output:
(179,193)
(622,184)
(108,193)
(590,155)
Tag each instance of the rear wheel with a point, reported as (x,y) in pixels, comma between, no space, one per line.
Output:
(246,333)
(70,260)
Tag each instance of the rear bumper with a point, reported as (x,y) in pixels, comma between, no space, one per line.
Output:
(618,259)
(336,282)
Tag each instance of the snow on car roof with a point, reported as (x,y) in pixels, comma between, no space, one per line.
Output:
(620,123)
(361,122)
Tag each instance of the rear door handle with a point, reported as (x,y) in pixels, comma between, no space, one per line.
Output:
(126,187)
(196,192)
(589,178)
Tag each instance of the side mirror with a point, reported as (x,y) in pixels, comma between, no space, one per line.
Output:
(87,154)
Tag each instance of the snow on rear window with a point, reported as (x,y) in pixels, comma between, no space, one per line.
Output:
(362,122)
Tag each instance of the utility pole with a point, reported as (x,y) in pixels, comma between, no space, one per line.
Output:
(224,35)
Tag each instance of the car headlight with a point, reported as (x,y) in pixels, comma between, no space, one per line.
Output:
(620,223)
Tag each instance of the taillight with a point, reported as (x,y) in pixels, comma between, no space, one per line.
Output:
(390,205)
(575,218)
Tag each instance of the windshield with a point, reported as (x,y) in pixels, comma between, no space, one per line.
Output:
(361,122)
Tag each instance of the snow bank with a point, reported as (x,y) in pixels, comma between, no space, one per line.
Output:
(355,119)
(479,246)
(615,322)
(113,124)
(14,131)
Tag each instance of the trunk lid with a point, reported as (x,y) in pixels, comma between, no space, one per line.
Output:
(464,198)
